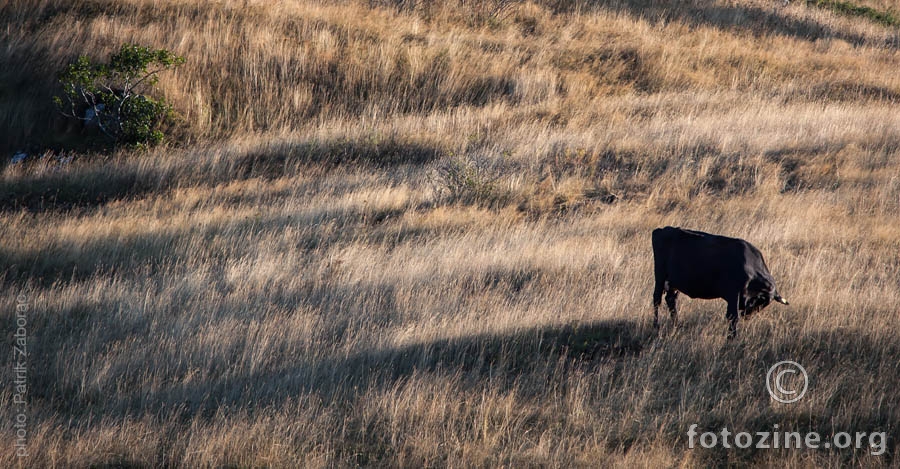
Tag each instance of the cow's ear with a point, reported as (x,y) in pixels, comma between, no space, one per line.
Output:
(781,300)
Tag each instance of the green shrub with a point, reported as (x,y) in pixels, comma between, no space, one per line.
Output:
(114,97)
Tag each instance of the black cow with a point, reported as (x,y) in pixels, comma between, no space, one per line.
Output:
(703,265)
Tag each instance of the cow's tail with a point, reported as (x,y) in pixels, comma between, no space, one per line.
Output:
(659,239)
(656,237)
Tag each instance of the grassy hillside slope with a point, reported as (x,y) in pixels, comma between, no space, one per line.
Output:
(394,233)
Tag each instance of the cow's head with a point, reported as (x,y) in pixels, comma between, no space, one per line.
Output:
(756,303)
(760,292)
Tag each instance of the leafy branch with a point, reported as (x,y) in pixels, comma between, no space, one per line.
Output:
(114,95)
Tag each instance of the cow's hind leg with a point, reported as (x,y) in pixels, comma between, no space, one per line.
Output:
(671,297)
(657,300)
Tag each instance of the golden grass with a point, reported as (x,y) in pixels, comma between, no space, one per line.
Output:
(293,283)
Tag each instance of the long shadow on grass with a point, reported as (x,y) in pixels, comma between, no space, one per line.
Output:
(747,18)
(691,379)
(143,254)
(537,360)
(513,353)
(88,185)
(498,357)
(62,191)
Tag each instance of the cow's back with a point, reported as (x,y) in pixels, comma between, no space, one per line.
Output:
(700,265)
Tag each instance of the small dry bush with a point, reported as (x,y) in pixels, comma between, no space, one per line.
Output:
(466,179)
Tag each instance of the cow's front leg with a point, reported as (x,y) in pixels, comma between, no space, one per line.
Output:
(732,316)
(671,297)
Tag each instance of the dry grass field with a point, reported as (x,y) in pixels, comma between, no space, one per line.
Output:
(402,233)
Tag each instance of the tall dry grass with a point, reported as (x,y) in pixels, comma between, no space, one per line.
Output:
(297,281)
